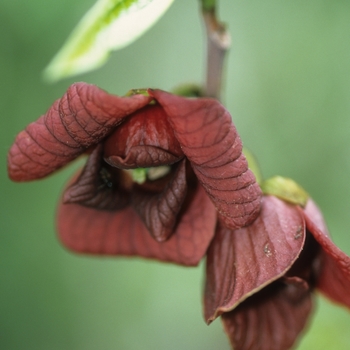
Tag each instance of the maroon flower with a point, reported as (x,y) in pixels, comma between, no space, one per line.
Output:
(260,278)
(260,274)
(192,143)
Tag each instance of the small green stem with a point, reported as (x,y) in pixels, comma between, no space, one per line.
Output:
(208,5)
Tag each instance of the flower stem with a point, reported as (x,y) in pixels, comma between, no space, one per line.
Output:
(218,42)
(208,5)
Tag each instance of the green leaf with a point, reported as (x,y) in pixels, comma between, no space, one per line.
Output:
(286,189)
(108,25)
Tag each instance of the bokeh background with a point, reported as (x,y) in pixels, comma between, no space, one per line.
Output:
(287,87)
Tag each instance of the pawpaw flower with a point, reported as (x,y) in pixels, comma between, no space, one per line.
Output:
(260,279)
(161,170)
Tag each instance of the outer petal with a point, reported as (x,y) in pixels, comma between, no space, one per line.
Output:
(81,118)
(334,269)
(86,230)
(271,319)
(241,262)
(210,141)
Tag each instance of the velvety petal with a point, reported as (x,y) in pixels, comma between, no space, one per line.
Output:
(271,319)
(143,157)
(334,269)
(312,212)
(99,186)
(144,140)
(210,141)
(81,118)
(86,230)
(160,212)
(243,261)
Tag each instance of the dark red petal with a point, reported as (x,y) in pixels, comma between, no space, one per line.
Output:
(98,186)
(241,262)
(313,214)
(143,157)
(160,212)
(334,278)
(144,140)
(81,118)
(210,141)
(271,319)
(85,230)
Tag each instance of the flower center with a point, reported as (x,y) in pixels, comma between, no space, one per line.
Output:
(140,175)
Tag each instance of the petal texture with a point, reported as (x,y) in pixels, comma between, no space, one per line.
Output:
(145,139)
(271,319)
(99,186)
(334,278)
(86,230)
(210,141)
(80,119)
(160,212)
(243,261)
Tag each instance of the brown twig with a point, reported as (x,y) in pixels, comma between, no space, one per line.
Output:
(218,42)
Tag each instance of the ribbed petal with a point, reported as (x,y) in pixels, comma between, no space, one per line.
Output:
(271,319)
(334,268)
(81,118)
(144,140)
(161,212)
(99,186)
(210,141)
(86,230)
(243,261)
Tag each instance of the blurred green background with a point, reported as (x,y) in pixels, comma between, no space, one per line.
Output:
(287,87)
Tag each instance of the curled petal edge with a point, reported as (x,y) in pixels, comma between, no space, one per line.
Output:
(210,141)
(80,119)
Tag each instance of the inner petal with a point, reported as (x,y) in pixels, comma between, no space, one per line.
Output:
(142,157)
(160,211)
(99,186)
(145,139)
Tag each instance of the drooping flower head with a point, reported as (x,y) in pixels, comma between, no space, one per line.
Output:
(165,178)
(188,151)
(261,278)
